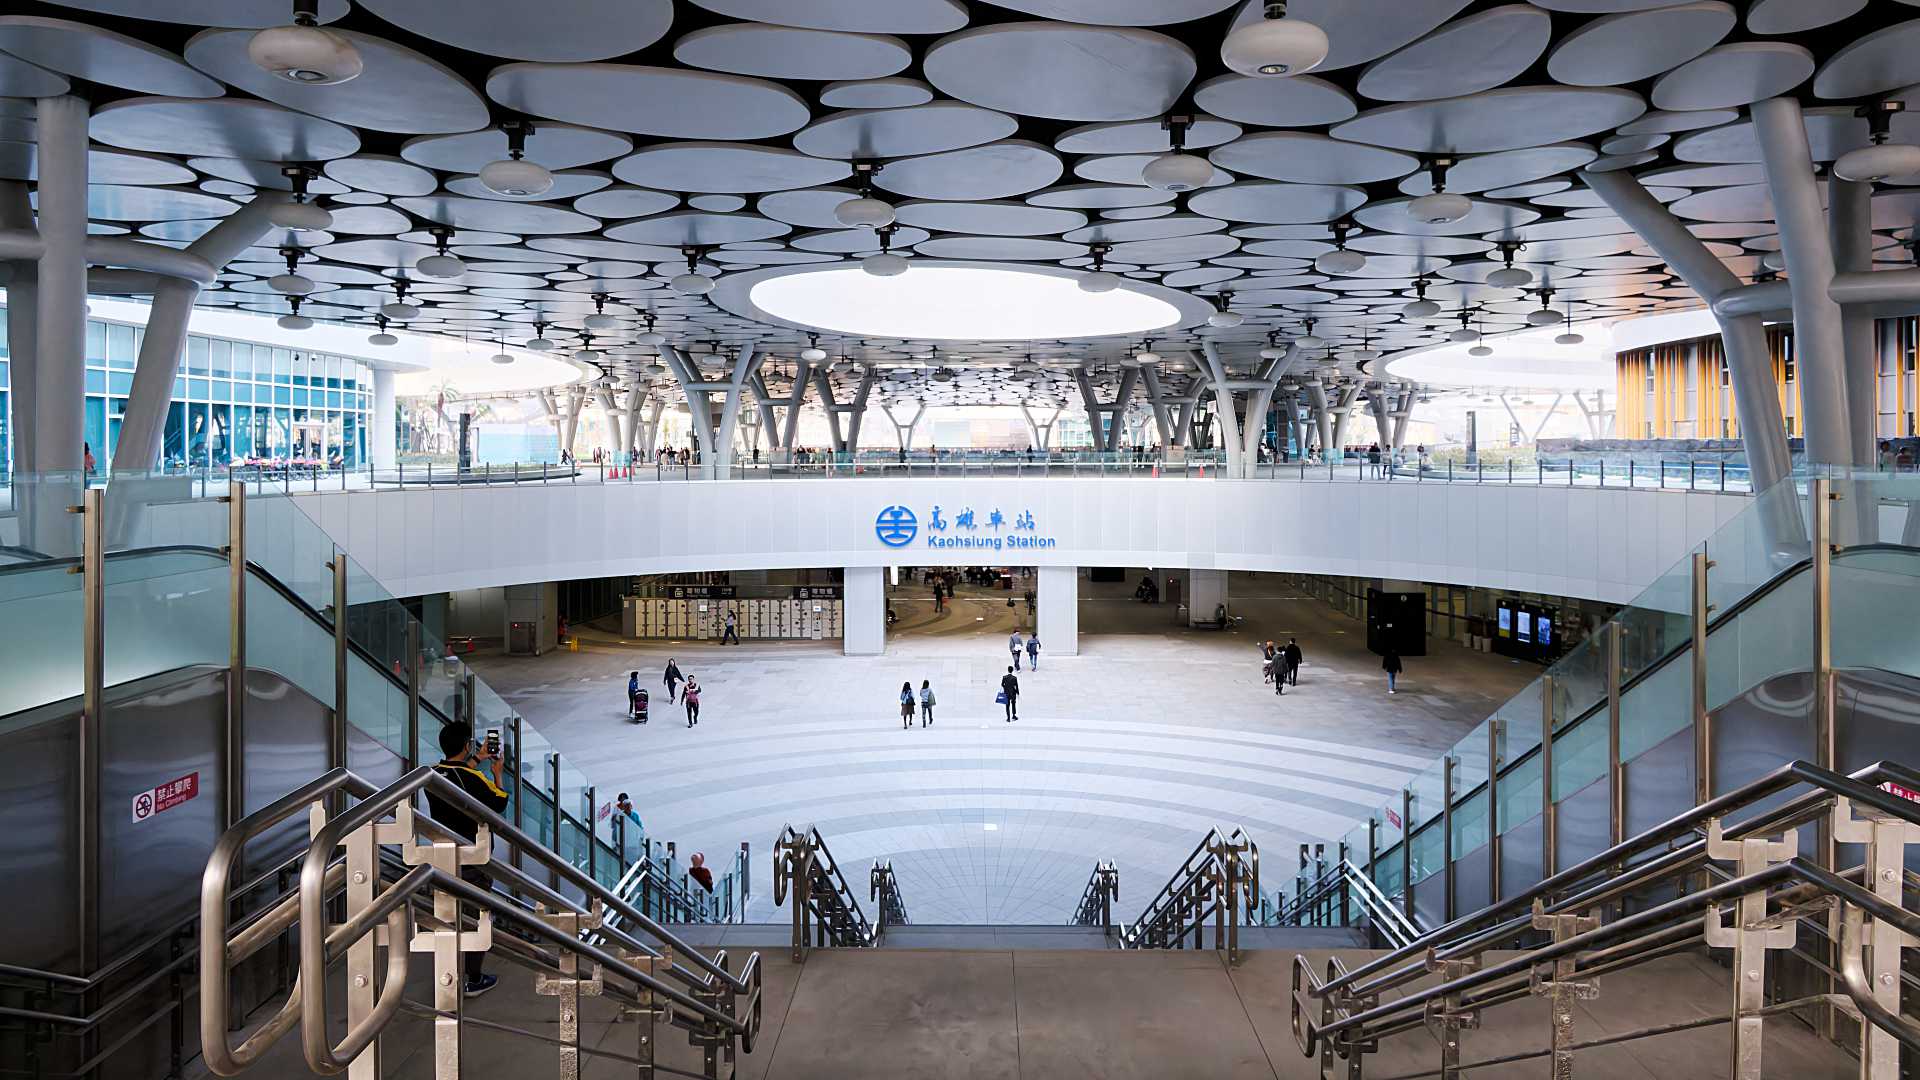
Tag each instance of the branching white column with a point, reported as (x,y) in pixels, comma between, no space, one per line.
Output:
(903,433)
(747,364)
(1223,407)
(1042,434)
(60,389)
(604,395)
(858,410)
(1261,400)
(23,305)
(1377,405)
(700,413)
(1818,341)
(576,404)
(1402,416)
(796,397)
(1850,226)
(1342,417)
(1322,418)
(1157,401)
(823,382)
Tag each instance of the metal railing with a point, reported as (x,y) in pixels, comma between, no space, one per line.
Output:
(1338,894)
(649,884)
(1583,915)
(1097,899)
(1219,883)
(826,913)
(530,923)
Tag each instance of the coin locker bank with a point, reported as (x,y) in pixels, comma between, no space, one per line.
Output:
(699,613)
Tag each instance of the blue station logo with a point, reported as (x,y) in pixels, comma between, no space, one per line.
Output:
(993,529)
(896,526)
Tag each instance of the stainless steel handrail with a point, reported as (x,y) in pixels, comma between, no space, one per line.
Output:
(318,947)
(1202,860)
(1392,922)
(800,857)
(1097,899)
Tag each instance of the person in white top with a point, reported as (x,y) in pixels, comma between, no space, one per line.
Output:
(1014,645)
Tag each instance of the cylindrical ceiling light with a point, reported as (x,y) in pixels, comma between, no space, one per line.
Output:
(1509,276)
(1274,46)
(514,176)
(1224,317)
(293,320)
(1309,341)
(1177,170)
(1421,308)
(540,343)
(1441,207)
(399,310)
(1570,337)
(382,338)
(440,264)
(304,52)
(600,320)
(885,263)
(813,353)
(1544,315)
(293,282)
(298,214)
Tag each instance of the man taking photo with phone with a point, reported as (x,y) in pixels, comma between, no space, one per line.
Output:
(477,771)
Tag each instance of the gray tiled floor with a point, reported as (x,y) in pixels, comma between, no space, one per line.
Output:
(1128,752)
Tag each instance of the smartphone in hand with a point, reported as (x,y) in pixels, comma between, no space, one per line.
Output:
(493,742)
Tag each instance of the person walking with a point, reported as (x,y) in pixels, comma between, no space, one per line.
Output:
(1390,662)
(633,694)
(475,770)
(697,870)
(1033,651)
(1013,646)
(691,699)
(1292,655)
(1010,695)
(926,703)
(906,704)
(673,678)
(732,633)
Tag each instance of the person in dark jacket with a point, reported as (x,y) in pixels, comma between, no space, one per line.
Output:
(1293,657)
(474,770)
(697,870)
(672,679)
(633,692)
(1010,689)
(1390,662)
(691,699)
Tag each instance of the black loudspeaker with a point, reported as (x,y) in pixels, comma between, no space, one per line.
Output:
(1106,573)
(1397,621)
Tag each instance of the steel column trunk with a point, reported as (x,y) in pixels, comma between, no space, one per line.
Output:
(1850,231)
(162,348)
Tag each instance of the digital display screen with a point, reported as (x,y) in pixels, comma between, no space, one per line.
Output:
(1526,627)
(1506,622)
(1544,630)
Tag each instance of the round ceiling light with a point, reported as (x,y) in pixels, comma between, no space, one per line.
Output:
(691,284)
(863,212)
(1545,316)
(1480,350)
(884,264)
(400,311)
(1465,333)
(1509,277)
(1569,338)
(540,344)
(1440,208)
(441,266)
(1178,171)
(300,217)
(1099,281)
(1225,318)
(291,284)
(1421,309)
(517,178)
(382,339)
(303,52)
(294,322)
(957,302)
(1311,343)
(1340,261)
(501,358)
(1274,45)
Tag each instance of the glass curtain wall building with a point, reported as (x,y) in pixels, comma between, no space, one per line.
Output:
(234,402)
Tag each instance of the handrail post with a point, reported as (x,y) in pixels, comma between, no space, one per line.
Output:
(1447,779)
(1346,883)
(1406,851)
(413,699)
(234,732)
(593,834)
(1548,848)
(1699,610)
(1616,771)
(363,877)
(1373,851)
(1493,809)
(93,646)
(1820,493)
(553,801)
(515,786)
(337,724)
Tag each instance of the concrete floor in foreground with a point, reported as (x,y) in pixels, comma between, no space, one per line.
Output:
(1129,751)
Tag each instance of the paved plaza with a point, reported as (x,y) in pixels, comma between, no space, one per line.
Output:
(1129,751)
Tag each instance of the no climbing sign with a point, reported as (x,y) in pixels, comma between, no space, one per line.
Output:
(165,797)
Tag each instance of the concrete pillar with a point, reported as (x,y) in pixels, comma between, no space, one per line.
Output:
(796,397)
(382,442)
(1223,407)
(1058,619)
(1206,590)
(60,318)
(1156,400)
(744,366)
(823,383)
(1819,343)
(1322,417)
(1402,415)
(1849,221)
(1377,404)
(863,618)
(22,309)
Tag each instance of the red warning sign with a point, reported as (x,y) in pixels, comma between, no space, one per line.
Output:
(165,797)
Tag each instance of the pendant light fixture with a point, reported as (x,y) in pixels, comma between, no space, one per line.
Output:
(1366,352)
(540,343)
(399,310)
(586,353)
(1466,331)
(1273,349)
(382,338)
(1099,279)
(693,282)
(440,264)
(293,320)
(650,336)
(813,353)
(885,263)
(600,320)
(503,356)
(1570,337)
(1177,170)
(1224,317)
(514,176)
(1340,260)
(1275,46)
(1309,341)
(1421,308)
(863,211)
(1146,355)
(1881,160)
(1509,276)
(1442,207)
(299,214)
(1544,315)
(293,282)
(304,52)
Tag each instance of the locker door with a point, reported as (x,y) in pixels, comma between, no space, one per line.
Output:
(834,627)
(677,618)
(790,618)
(702,619)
